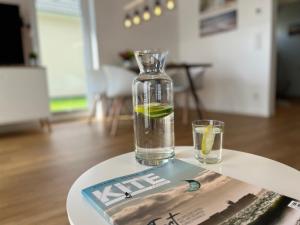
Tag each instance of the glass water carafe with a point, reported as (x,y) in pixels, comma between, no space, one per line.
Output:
(153,110)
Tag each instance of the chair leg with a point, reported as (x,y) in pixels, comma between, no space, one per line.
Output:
(45,122)
(115,122)
(185,110)
(112,109)
(128,104)
(48,124)
(106,103)
(94,109)
(175,98)
(42,123)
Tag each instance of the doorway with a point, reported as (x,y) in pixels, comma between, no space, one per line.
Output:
(62,53)
(288,51)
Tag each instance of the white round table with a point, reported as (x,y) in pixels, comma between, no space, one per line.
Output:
(247,167)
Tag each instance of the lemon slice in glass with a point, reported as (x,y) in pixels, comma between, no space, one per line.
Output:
(154,110)
(207,140)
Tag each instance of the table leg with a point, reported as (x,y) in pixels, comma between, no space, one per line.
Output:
(193,90)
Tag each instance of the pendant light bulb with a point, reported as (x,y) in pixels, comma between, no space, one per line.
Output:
(170,4)
(146,14)
(127,21)
(136,18)
(157,9)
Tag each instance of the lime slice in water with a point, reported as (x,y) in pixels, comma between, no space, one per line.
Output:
(154,110)
(207,140)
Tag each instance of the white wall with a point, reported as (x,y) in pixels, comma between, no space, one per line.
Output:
(159,32)
(241,80)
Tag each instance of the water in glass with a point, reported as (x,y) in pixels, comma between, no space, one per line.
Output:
(208,140)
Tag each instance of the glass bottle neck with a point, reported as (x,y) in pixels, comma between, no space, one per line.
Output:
(152,71)
(151,62)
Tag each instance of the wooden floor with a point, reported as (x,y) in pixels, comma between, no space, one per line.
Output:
(37,169)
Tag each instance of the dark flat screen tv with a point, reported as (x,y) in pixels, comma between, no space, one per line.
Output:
(11,47)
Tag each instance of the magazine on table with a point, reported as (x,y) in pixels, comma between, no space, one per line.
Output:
(179,193)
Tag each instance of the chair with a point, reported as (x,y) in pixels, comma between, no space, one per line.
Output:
(118,90)
(182,86)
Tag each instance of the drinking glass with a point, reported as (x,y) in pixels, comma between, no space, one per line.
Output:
(208,140)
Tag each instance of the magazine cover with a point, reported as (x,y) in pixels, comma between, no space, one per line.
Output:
(180,193)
